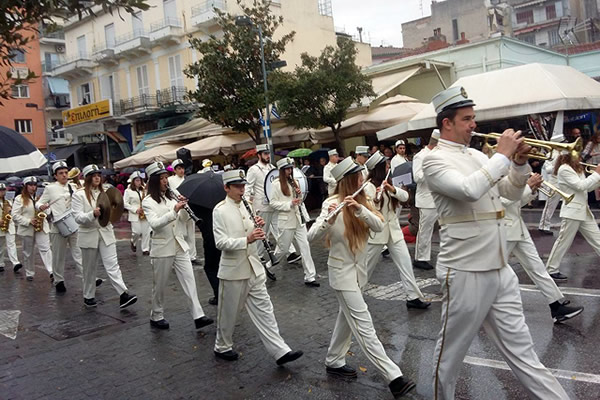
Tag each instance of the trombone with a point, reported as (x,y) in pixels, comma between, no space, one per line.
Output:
(550,190)
(541,149)
(589,168)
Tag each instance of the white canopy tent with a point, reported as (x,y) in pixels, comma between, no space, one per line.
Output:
(512,92)
(163,152)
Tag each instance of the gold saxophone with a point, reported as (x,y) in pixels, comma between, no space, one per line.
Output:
(6,217)
(38,221)
(142,215)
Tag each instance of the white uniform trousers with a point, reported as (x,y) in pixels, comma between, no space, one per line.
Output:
(190,238)
(3,249)
(108,255)
(161,270)
(568,228)
(548,212)
(59,249)
(354,319)
(533,265)
(427,218)
(401,257)
(301,237)
(270,218)
(251,293)
(11,245)
(42,241)
(141,230)
(491,299)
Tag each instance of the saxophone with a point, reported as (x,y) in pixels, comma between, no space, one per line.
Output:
(38,221)
(142,215)
(6,217)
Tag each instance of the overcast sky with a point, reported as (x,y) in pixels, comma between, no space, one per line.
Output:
(380,19)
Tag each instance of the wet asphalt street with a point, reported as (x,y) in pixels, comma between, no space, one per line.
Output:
(64,351)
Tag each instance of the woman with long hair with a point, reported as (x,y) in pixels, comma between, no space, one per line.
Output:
(387,201)
(591,154)
(169,249)
(32,230)
(132,200)
(575,216)
(94,238)
(288,201)
(347,235)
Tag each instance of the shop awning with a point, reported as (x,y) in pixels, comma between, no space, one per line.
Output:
(141,146)
(62,153)
(387,85)
(58,86)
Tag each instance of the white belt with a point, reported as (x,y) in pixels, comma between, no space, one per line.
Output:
(476,216)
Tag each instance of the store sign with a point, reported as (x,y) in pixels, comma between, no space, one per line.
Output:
(87,113)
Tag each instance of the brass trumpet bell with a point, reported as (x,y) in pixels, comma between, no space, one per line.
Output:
(541,149)
(589,168)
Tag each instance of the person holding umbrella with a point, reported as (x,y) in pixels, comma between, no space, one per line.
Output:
(7,233)
(97,237)
(140,229)
(168,248)
(190,233)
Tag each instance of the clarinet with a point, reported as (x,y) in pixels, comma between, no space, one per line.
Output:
(265,241)
(297,196)
(186,207)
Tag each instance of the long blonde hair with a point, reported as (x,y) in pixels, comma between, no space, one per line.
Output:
(356,230)
(87,187)
(25,197)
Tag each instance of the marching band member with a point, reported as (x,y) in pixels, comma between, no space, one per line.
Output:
(242,276)
(551,202)
(575,216)
(169,249)
(424,202)
(327,177)
(190,235)
(33,230)
(206,166)
(400,157)
(479,289)
(56,201)
(520,244)
(391,235)
(140,229)
(362,155)
(287,201)
(94,239)
(347,236)
(7,232)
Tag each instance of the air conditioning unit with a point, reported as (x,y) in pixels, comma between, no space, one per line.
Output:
(59,48)
(19,73)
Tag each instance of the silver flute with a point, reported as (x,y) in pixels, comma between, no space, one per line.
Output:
(343,203)
(185,207)
(380,193)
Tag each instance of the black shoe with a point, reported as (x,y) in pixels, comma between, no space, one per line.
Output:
(292,258)
(99,281)
(213,301)
(162,324)
(196,262)
(90,302)
(289,357)
(133,246)
(202,322)
(146,253)
(60,287)
(545,232)
(312,284)
(229,355)
(29,278)
(342,372)
(561,312)
(385,253)
(17,267)
(270,275)
(1,269)
(400,386)
(558,277)
(51,277)
(417,303)
(422,265)
(127,299)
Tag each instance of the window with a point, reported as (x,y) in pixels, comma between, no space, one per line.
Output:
(170,10)
(551,11)
(455,29)
(142,79)
(175,71)
(23,125)
(325,8)
(525,17)
(137,24)
(85,93)
(81,47)
(107,87)
(18,56)
(109,35)
(553,38)
(528,38)
(20,91)
(51,60)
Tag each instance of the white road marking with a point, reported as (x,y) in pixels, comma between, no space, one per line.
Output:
(9,322)
(565,290)
(396,290)
(558,373)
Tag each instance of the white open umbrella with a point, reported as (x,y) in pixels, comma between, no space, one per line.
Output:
(17,154)
(164,152)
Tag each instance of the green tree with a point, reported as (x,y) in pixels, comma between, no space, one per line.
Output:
(321,90)
(20,20)
(230,80)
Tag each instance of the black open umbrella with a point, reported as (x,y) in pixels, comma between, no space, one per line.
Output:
(402,175)
(17,153)
(203,190)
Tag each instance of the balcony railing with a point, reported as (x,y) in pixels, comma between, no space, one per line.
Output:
(137,33)
(208,5)
(149,102)
(57,35)
(169,21)
(82,55)
(172,95)
(138,103)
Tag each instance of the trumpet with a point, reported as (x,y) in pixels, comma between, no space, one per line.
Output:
(38,221)
(340,206)
(541,149)
(589,168)
(550,190)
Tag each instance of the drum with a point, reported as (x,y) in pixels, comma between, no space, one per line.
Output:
(66,224)
(298,175)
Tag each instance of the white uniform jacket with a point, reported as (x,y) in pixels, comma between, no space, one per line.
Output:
(347,271)
(22,215)
(391,226)
(466,187)
(132,201)
(175,181)
(53,192)
(548,168)
(397,160)
(231,225)
(516,230)
(423,197)
(328,178)
(255,189)
(90,230)
(571,182)
(168,227)
(288,216)
(11,224)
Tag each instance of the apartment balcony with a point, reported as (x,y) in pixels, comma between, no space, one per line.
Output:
(133,45)
(146,104)
(79,66)
(48,68)
(105,54)
(166,32)
(60,138)
(138,106)
(204,15)
(56,37)
(59,102)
